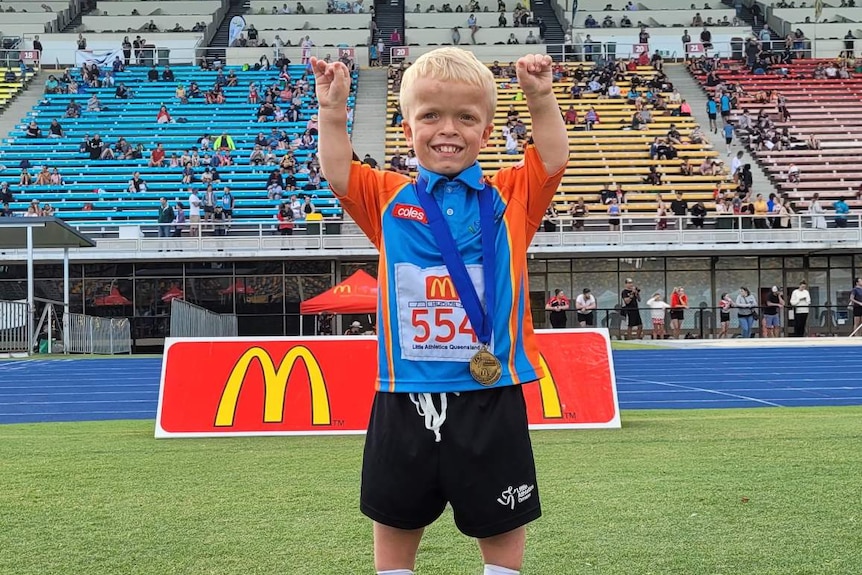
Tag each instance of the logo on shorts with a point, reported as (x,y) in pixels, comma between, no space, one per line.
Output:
(408,212)
(513,495)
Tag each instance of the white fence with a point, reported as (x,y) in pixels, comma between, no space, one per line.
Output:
(189,320)
(14,327)
(97,335)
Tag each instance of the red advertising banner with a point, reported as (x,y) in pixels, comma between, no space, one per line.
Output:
(639,49)
(694,48)
(306,386)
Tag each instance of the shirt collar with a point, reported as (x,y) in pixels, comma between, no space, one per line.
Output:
(471,177)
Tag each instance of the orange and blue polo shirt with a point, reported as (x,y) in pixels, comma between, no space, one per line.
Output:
(425,340)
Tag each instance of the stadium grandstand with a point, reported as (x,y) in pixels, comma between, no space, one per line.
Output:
(109,107)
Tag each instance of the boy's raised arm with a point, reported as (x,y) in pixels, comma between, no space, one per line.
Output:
(332,85)
(549,130)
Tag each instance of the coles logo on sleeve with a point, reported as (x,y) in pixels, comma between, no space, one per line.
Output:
(408,212)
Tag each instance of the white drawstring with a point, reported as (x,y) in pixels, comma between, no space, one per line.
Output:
(426,408)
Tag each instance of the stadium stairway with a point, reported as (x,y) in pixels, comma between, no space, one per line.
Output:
(554,34)
(220,39)
(22,105)
(697,97)
(370,121)
(389,15)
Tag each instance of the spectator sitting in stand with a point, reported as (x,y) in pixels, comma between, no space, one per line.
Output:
(157,157)
(153,74)
(73,110)
(167,74)
(164,117)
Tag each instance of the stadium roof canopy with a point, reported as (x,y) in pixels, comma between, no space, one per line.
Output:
(47,233)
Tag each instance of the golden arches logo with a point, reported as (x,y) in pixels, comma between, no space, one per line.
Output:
(342,289)
(551,406)
(275,381)
(440,288)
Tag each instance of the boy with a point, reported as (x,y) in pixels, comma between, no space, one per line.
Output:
(454,312)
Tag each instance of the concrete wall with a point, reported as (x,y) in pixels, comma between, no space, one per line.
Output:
(179,7)
(62,47)
(314,21)
(319,37)
(441,20)
(135,23)
(663,17)
(311,6)
(423,36)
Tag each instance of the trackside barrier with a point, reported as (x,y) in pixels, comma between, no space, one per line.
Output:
(14,328)
(189,320)
(97,335)
(325,385)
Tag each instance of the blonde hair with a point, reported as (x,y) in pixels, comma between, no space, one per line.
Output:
(450,65)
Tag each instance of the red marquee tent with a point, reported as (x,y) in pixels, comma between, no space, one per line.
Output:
(356,294)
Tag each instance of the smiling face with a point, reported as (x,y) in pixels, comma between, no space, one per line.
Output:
(447,123)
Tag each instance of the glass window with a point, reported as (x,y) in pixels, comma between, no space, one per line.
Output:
(840,285)
(209,268)
(559,265)
(648,282)
(303,267)
(13,290)
(350,268)
(632,265)
(153,296)
(108,270)
(795,262)
(689,264)
(736,263)
(697,285)
(291,289)
(55,271)
(260,295)
(538,283)
(604,287)
(731,280)
(536,266)
(213,293)
(108,297)
(818,262)
(595,265)
(13,272)
(265,268)
(559,281)
(162,269)
(771,263)
(840,262)
(314,285)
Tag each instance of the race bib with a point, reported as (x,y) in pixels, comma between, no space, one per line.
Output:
(432,323)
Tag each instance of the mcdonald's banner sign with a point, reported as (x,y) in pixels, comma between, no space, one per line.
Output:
(325,385)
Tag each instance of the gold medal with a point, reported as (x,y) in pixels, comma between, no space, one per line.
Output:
(485,368)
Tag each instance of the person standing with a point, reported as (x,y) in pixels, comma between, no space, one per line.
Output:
(678,305)
(800,300)
(747,311)
(631,296)
(557,306)
(724,305)
(658,307)
(166,217)
(772,313)
(586,306)
(856,304)
(195,205)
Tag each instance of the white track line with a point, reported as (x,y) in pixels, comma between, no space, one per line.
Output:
(704,390)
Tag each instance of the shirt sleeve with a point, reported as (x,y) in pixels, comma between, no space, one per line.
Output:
(528,185)
(369,191)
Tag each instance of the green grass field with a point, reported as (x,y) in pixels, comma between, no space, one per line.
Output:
(761,491)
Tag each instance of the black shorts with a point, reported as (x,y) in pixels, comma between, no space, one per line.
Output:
(208,209)
(587,318)
(857,311)
(728,141)
(711,116)
(633,316)
(677,314)
(228,213)
(723,317)
(482,466)
(725,113)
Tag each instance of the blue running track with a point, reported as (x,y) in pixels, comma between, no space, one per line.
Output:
(100,389)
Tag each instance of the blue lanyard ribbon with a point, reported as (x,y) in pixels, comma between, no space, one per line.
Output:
(481,319)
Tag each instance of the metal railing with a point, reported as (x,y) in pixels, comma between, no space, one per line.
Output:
(96,335)
(189,320)
(705,322)
(14,328)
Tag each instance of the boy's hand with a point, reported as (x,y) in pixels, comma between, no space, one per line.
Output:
(534,74)
(331,83)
